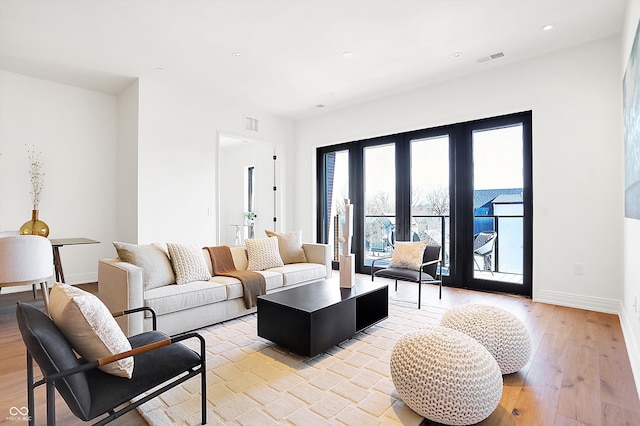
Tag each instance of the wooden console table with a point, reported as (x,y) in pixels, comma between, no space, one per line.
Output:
(56,243)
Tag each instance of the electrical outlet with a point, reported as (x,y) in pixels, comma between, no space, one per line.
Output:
(578,269)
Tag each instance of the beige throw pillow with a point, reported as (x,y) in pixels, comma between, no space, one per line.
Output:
(263,253)
(408,255)
(290,246)
(188,263)
(155,264)
(90,328)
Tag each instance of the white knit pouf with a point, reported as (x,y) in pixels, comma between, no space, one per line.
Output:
(446,376)
(501,332)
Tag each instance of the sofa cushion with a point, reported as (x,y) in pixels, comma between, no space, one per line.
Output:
(173,298)
(234,287)
(297,273)
(188,263)
(155,264)
(289,246)
(263,253)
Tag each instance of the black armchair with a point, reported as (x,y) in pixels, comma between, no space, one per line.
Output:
(430,271)
(88,391)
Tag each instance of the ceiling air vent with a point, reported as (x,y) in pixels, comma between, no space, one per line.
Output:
(251,124)
(496,55)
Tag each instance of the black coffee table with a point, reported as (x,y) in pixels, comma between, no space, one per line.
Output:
(314,317)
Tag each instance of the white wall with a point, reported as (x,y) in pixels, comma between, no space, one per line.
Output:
(127,165)
(139,167)
(177,160)
(576,103)
(630,315)
(75,130)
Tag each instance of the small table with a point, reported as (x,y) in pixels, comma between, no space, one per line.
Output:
(56,243)
(314,317)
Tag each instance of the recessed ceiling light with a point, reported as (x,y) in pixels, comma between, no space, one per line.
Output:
(456,54)
(236,54)
(320,106)
(159,69)
(347,54)
(547,27)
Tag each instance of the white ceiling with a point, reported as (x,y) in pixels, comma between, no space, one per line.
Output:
(291,51)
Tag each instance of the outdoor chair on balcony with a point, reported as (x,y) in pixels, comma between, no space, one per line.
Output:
(483,245)
(429,271)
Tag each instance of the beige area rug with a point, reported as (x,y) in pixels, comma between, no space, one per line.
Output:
(251,381)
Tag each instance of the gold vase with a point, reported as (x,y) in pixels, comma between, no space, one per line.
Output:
(35,226)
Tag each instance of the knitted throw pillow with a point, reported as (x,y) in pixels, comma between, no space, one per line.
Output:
(188,263)
(263,253)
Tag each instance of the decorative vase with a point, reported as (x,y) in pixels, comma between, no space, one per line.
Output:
(35,226)
(251,224)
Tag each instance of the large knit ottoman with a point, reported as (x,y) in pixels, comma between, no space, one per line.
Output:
(446,376)
(501,332)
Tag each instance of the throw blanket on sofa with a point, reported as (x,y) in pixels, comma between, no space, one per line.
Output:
(253,283)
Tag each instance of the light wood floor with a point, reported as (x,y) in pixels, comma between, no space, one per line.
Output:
(579,372)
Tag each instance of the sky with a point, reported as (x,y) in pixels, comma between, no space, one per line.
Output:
(497,155)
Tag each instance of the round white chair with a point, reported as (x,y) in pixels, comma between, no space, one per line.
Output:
(446,376)
(501,332)
(26,259)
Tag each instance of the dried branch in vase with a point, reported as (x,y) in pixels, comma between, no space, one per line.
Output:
(36,173)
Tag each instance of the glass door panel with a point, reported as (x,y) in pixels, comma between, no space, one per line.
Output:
(498,209)
(379,201)
(336,185)
(430,194)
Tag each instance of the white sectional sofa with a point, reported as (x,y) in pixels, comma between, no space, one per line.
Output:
(192,305)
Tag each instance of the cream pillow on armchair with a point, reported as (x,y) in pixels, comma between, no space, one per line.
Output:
(408,254)
(90,328)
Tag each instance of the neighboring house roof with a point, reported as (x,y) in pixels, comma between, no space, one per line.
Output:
(508,199)
(484,197)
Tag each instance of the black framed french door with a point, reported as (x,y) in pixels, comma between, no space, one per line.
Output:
(454,186)
(493,236)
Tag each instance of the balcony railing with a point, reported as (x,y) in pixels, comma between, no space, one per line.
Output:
(380,235)
(506,256)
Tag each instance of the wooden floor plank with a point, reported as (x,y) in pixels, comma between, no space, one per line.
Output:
(580,393)
(614,363)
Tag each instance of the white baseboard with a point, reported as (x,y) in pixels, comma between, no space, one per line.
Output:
(598,304)
(633,347)
(73,279)
(85,278)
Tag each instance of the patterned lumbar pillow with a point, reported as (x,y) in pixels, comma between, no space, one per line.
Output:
(188,263)
(90,328)
(408,255)
(263,253)
(290,246)
(155,264)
